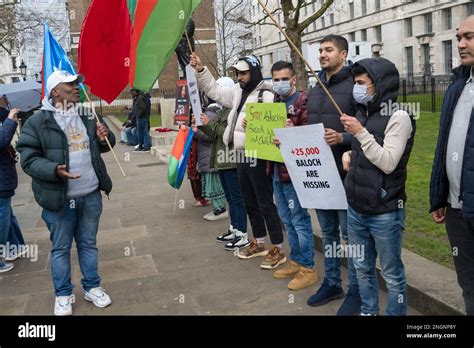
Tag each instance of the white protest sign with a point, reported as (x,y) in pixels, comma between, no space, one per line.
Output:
(312,167)
(194,94)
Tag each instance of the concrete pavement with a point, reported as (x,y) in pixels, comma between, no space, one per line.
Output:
(153,261)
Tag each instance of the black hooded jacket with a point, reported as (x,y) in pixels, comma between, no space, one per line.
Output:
(368,189)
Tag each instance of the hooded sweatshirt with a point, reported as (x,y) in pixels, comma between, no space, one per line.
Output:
(80,160)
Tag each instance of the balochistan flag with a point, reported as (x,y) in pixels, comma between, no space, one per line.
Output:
(54,58)
(158,27)
(179,157)
(104,48)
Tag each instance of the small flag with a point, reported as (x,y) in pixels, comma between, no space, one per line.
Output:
(54,58)
(179,157)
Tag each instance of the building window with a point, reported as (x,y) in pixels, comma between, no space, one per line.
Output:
(378,33)
(314,26)
(351,10)
(426,59)
(470,9)
(352,37)
(447,19)
(448,56)
(428,23)
(409,57)
(14,66)
(377,5)
(323,22)
(364,7)
(331,18)
(363,34)
(409,27)
(15,79)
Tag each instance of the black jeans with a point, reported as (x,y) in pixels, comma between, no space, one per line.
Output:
(257,191)
(461,237)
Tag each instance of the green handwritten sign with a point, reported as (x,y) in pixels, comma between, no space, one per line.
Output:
(262,119)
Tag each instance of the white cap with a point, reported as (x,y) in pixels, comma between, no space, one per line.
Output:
(241,65)
(62,76)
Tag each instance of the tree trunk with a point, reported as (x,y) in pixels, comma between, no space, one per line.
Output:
(298,63)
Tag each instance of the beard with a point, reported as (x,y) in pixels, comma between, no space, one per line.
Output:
(242,84)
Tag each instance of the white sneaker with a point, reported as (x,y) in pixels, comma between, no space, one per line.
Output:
(5,267)
(98,296)
(214,217)
(240,241)
(63,305)
(208,215)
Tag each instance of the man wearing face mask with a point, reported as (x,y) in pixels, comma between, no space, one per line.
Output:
(255,185)
(375,183)
(333,223)
(296,219)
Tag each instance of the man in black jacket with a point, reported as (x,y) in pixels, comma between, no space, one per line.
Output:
(60,149)
(452,190)
(333,223)
(375,185)
(141,109)
(8,181)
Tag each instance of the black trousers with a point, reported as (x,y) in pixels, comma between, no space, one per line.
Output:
(257,191)
(461,237)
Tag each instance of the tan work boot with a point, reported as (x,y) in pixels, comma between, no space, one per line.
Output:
(289,271)
(304,278)
(275,258)
(253,250)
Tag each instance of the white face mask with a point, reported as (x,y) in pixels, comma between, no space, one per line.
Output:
(361,95)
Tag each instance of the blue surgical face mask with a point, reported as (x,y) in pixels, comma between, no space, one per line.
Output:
(361,96)
(282,88)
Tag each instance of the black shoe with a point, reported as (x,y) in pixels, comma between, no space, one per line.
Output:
(145,150)
(138,149)
(226,237)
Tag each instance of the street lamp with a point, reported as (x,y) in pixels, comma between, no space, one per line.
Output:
(23,70)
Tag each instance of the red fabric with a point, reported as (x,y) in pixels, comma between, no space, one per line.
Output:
(299,118)
(104,48)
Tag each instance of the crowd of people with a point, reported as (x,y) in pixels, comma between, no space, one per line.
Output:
(61,147)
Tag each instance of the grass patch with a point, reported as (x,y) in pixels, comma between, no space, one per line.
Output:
(422,235)
(155,120)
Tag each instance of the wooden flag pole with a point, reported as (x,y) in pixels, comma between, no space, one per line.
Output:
(302,57)
(189,41)
(106,138)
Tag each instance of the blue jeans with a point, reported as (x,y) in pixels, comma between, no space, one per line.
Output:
(143,132)
(237,212)
(297,223)
(333,225)
(78,220)
(379,235)
(15,237)
(6,214)
(131,134)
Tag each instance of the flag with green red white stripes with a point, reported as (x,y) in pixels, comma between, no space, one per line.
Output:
(158,26)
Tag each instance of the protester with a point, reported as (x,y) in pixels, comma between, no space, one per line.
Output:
(129,130)
(296,219)
(60,149)
(227,169)
(375,184)
(141,109)
(8,183)
(195,177)
(338,80)
(210,181)
(255,185)
(452,190)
